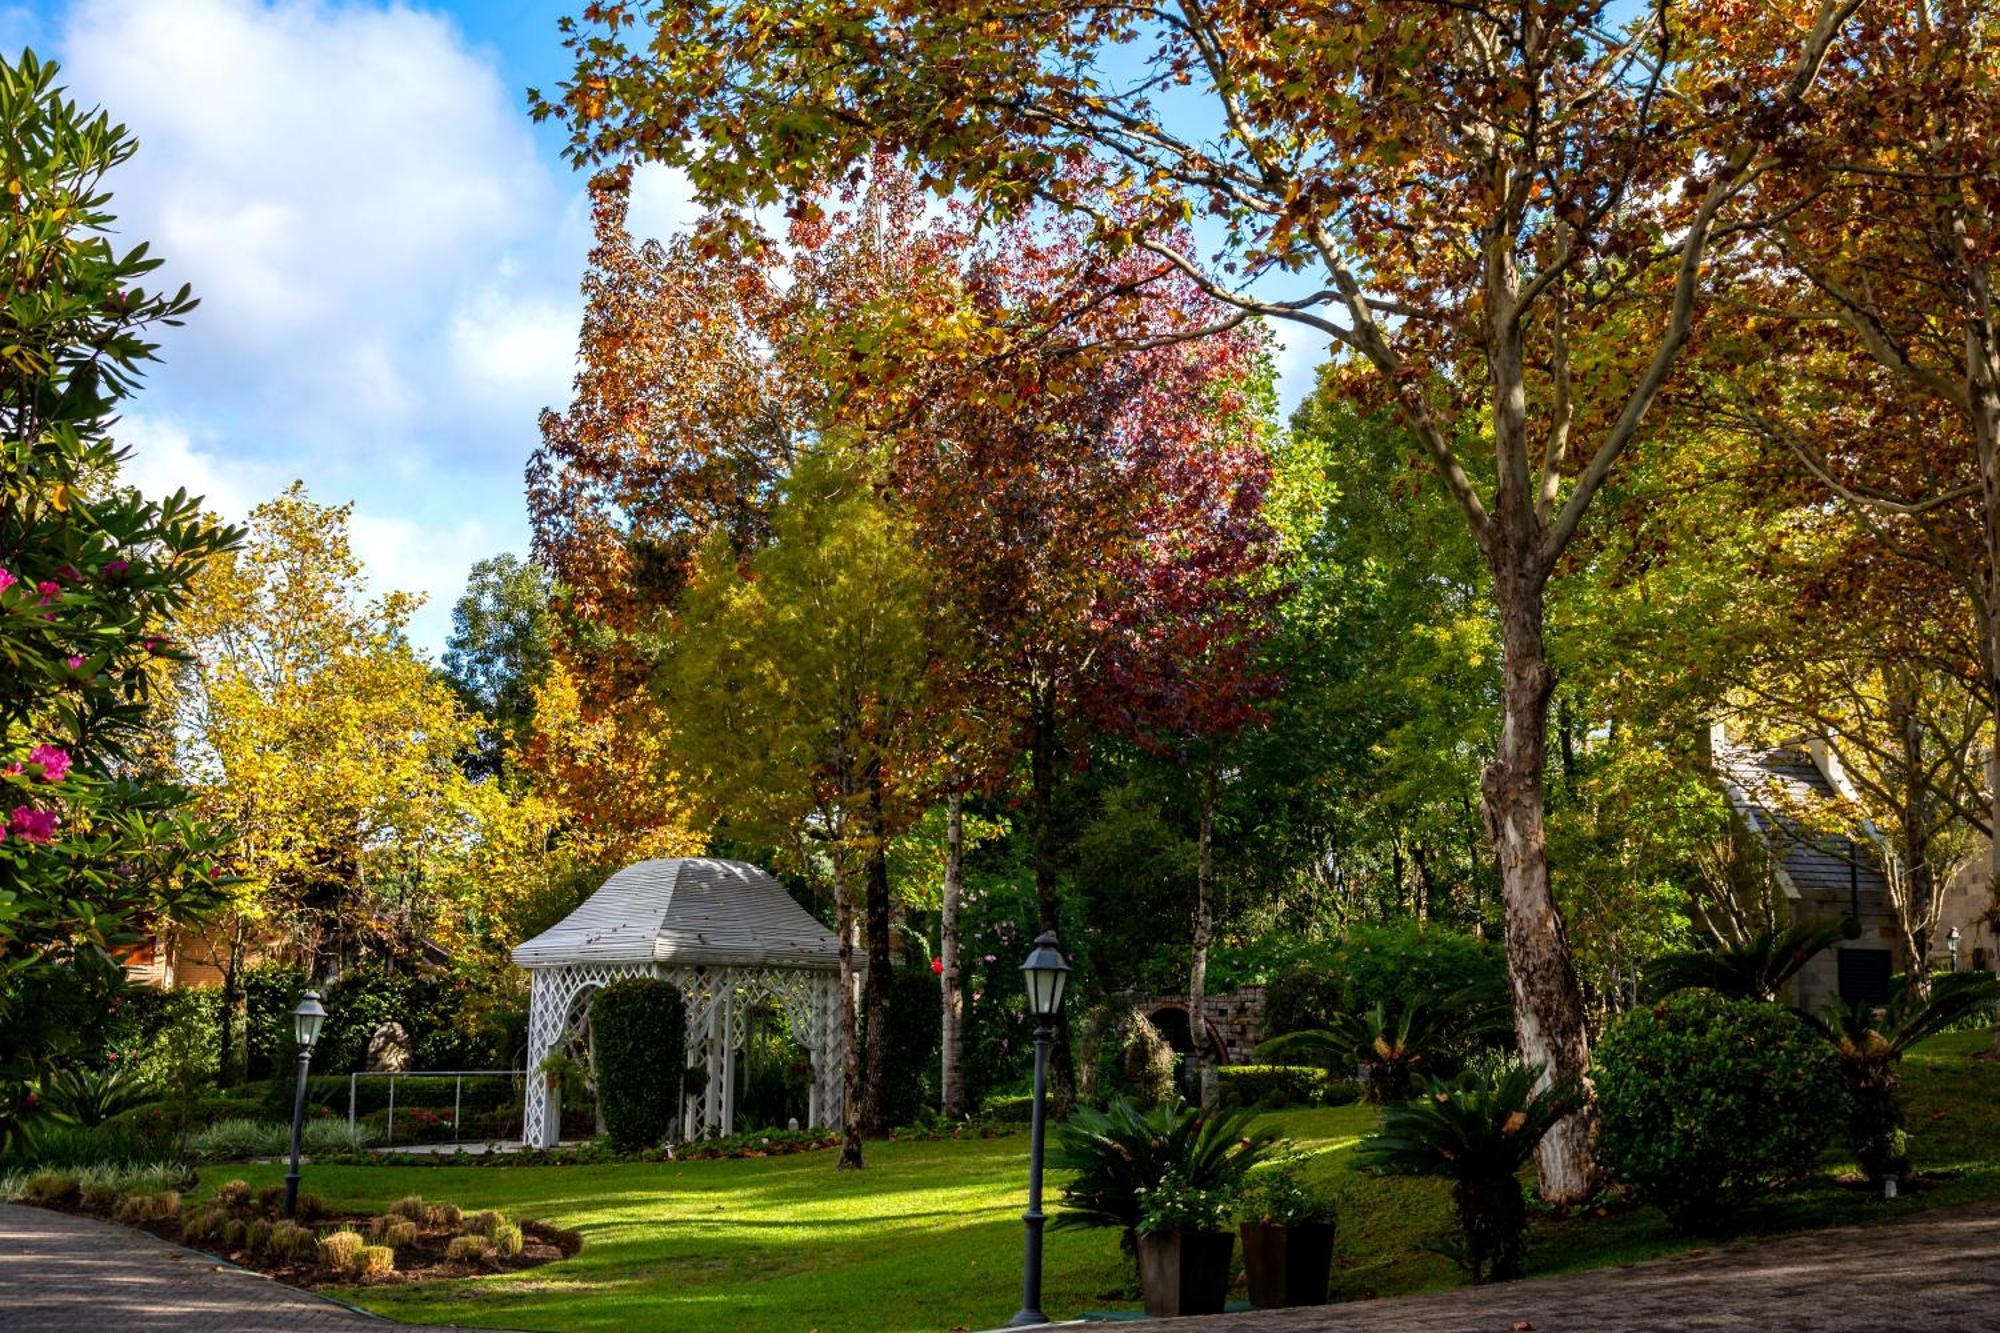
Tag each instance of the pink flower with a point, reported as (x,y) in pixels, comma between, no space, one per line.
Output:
(32,825)
(7,580)
(75,663)
(10,771)
(54,762)
(49,591)
(115,569)
(989,958)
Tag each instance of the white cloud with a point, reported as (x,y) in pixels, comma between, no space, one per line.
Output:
(519,352)
(329,177)
(661,203)
(387,269)
(165,458)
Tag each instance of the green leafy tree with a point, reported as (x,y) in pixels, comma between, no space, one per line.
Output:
(797,679)
(499,653)
(97,851)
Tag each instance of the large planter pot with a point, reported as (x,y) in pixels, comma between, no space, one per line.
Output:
(1287,1265)
(1185,1272)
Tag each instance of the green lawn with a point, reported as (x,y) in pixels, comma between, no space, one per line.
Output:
(929,1236)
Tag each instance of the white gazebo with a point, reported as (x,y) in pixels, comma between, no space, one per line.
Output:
(729,937)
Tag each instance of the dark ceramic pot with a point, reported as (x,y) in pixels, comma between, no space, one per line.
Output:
(1287,1265)
(1185,1272)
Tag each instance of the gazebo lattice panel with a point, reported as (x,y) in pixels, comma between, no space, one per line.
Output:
(730,939)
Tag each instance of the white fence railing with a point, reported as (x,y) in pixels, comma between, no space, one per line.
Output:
(458,1077)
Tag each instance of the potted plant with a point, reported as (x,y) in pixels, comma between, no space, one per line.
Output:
(1121,1157)
(1185,1246)
(1287,1240)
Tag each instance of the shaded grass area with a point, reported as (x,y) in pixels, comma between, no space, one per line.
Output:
(929,1236)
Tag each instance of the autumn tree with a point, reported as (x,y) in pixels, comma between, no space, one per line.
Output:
(304,720)
(1483,194)
(1868,352)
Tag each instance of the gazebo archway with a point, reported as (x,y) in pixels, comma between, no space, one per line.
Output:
(729,937)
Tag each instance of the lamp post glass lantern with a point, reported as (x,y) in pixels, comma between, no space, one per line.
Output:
(1046,974)
(307,1020)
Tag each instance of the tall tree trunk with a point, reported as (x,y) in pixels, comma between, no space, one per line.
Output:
(1204,924)
(1912,897)
(949,981)
(1548,1002)
(1048,895)
(850,1025)
(881,975)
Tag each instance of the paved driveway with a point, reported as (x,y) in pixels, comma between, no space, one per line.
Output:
(66,1274)
(1933,1273)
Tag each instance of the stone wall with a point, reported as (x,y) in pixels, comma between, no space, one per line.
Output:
(1236,1019)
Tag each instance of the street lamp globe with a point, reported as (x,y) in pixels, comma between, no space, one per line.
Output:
(307,1020)
(1046,973)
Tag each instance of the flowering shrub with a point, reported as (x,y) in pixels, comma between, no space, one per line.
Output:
(88,860)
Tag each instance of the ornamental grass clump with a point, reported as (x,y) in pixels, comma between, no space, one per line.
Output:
(507,1239)
(469,1250)
(342,1250)
(291,1243)
(135,1210)
(376,1260)
(1706,1103)
(1477,1132)
(51,1189)
(201,1225)
(441,1215)
(482,1223)
(411,1206)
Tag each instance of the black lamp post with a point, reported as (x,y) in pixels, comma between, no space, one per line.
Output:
(1046,972)
(1951,946)
(306,1022)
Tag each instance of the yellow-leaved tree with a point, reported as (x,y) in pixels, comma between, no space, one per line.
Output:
(304,720)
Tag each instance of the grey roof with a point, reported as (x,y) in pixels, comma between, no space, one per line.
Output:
(1814,861)
(690,910)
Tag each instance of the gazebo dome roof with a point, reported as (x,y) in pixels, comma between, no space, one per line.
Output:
(687,910)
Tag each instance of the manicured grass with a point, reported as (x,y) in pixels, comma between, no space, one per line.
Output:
(929,1236)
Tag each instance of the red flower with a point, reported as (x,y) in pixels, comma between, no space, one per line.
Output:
(937,966)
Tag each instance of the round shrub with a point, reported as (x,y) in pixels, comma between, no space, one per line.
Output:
(1708,1102)
(639,1033)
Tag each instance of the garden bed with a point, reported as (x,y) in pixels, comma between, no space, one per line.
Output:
(414,1241)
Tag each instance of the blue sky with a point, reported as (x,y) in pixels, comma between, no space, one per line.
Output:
(386,248)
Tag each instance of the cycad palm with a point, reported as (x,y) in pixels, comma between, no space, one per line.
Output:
(1121,1152)
(1390,1046)
(1871,1042)
(1478,1134)
(1752,969)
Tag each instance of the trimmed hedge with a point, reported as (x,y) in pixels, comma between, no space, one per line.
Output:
(1273,1086)
(638,1028)
(1707,1103)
